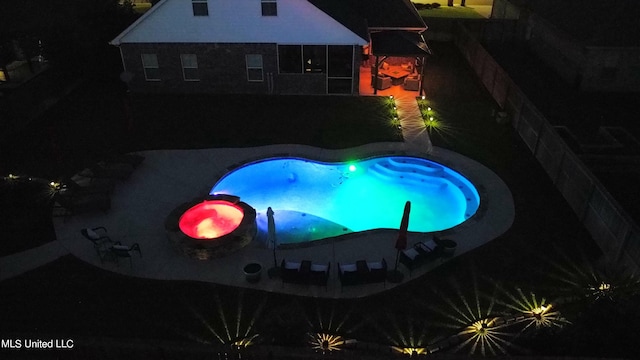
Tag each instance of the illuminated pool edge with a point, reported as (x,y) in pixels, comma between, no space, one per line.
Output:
(210,248)
(398,162)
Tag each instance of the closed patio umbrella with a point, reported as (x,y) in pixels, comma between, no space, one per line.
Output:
(271,239)
(401,241)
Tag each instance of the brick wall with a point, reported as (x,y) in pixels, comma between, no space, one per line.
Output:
(221,69)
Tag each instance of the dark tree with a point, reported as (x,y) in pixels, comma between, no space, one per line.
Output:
(73,35)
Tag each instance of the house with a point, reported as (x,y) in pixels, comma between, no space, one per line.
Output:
(265,46)
(592,44)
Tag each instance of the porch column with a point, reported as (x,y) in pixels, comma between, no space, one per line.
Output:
(374,78)
(422,61)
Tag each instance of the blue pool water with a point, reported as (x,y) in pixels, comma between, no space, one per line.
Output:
(314,200)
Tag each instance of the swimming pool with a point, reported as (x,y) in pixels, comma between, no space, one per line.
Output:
(312,200)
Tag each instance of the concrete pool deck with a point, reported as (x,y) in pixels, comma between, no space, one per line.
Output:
(168,178)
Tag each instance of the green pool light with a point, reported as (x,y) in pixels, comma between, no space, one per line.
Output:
(352,168)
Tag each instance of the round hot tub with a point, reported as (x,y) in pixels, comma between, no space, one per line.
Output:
(211,228)
(211,219)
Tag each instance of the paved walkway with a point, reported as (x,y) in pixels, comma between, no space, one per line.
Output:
(414,132)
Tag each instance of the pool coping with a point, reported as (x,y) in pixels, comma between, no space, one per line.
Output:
(170,177)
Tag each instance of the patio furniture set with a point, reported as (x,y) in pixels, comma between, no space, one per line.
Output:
(389,75)
(424,252)
(107,249)
(304,272)
(90,190)
(309,273)
(363,272)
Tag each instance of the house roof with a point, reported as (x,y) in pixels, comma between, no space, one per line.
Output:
(239,21)
(398,43)
(363,15)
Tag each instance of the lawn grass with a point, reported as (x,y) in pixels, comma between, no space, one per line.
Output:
(141,8)
(450,12)
(98,118)
(203,121)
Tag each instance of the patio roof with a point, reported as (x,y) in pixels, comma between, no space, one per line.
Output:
(360,16)
(398,43)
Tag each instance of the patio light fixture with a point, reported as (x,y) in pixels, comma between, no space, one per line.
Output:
(411,351)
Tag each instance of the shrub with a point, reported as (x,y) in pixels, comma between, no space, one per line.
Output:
(435,5)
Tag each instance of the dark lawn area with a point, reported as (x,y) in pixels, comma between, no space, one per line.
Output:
(68,298)
(583,113)
(200,121)
(99,119)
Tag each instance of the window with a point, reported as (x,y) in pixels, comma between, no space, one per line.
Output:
(200,7)
(269,8)
(254,67)
(340,61)
(340,69)
(315,58)
(150,65)
(299,59)
(290,59)
(189,67)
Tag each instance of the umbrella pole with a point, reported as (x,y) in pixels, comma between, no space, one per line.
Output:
(397,258)
(275,261)
(395,276)
(275,270)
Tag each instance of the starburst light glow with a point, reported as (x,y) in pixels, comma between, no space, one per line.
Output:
(326,342)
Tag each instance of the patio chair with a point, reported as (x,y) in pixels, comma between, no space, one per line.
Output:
(319,274)
(122,251)
(428,249)
(383,82)
(411,259)
(411,83)
(295,272)
(101,241)
(377,271)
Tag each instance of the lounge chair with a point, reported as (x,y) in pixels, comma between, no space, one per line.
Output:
(362,272)
(348,275)
(411,259)
(428,249)
(377,271)
(295,272)
(319,274)
(101,242)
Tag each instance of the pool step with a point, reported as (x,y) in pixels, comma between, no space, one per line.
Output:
(409,173)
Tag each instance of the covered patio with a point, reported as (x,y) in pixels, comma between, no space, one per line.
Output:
(393,64)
